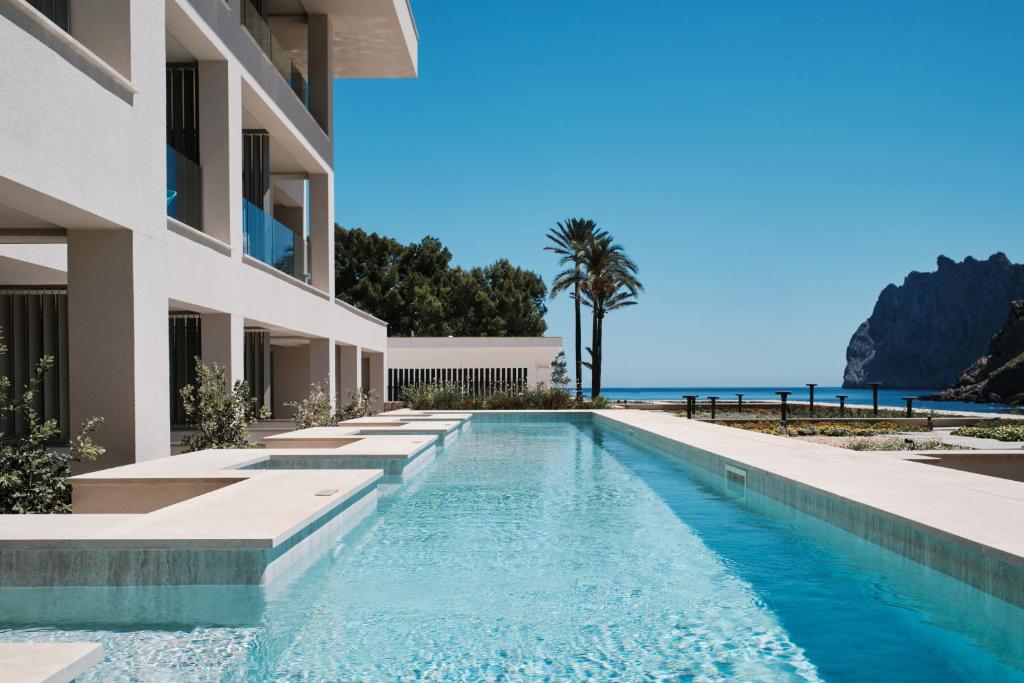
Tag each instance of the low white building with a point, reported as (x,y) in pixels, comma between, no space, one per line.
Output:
(478,363)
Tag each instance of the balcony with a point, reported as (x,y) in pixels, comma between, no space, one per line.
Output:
(272,48)
(273,243)
(184,189)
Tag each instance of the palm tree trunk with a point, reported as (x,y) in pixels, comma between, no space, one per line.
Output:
(579,345)
(595,357)
(599,353)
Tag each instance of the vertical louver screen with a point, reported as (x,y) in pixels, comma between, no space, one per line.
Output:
(56,11)
(34,324)
(256,168)
(183,109)
(478,382)
(256,370)
(185,342)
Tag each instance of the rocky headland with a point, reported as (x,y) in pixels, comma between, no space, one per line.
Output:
(925,332)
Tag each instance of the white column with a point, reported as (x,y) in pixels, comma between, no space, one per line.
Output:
(321,365)
(321,71)
(220,151)
(321,231)
(349,372)
(377,380)
(117,343)
(223,337)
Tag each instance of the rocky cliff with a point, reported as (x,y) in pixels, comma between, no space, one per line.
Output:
(998,376)
(924,332)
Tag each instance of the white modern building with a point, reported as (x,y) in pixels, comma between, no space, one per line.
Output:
(476,363)
(167,191)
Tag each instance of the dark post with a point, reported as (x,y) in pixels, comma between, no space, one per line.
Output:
(910,405)
(712,399)
(874,396)
(811,387)
(691,399)
(842,404)
(739,398)
(784,395)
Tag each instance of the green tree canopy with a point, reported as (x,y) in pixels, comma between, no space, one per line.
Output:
(415,288)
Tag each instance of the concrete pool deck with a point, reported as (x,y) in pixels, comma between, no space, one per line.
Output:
(246,532)
(47,662)
(220,516)
(963,524)
(348,432)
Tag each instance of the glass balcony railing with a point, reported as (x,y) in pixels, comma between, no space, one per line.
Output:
(267,240)
(184,189)
(279,57)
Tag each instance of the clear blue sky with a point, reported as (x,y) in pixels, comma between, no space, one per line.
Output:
(770,165)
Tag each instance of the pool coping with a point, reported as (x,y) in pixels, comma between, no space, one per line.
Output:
(47,662)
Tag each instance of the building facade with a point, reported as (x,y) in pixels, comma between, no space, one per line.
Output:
(478,364)
(167,191)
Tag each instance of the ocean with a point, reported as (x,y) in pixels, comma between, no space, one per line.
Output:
(858,397)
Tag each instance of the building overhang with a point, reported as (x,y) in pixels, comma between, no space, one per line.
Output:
(372,38)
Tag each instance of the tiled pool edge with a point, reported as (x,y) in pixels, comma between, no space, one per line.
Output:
(150,566)
(985,568)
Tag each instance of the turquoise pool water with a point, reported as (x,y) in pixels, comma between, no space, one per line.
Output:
(559,551)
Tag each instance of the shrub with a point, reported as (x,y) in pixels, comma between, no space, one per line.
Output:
(315,410)
(596,403)
(33,473)
(543,397)
(219,415)
(895,444)
(360,404)
(993,429)
(504,400)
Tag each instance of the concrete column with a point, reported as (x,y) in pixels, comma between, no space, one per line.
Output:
(321,231)
(224,343)
(321,71)
(350,370)
(377,380)
(117,343)
(321,365)
(220,151)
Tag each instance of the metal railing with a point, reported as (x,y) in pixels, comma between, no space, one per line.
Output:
(184,189)
(271,242)
(279,57)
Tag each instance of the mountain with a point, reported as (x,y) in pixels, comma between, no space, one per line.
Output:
(924,332)
(998,376)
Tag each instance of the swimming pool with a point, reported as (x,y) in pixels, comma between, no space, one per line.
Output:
(533,550)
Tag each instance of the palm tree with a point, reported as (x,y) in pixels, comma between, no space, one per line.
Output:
(610,283)
(570,241)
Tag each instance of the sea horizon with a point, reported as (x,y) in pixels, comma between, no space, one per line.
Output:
(892,398)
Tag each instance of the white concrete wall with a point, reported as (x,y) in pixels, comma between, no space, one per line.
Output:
(533,353)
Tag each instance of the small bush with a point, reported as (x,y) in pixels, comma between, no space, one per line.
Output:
(596,403)
(895,444)
(315,410)
(993,429)
(547,398)
(455,397)
(33,473)
(219,415)
(360,404)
